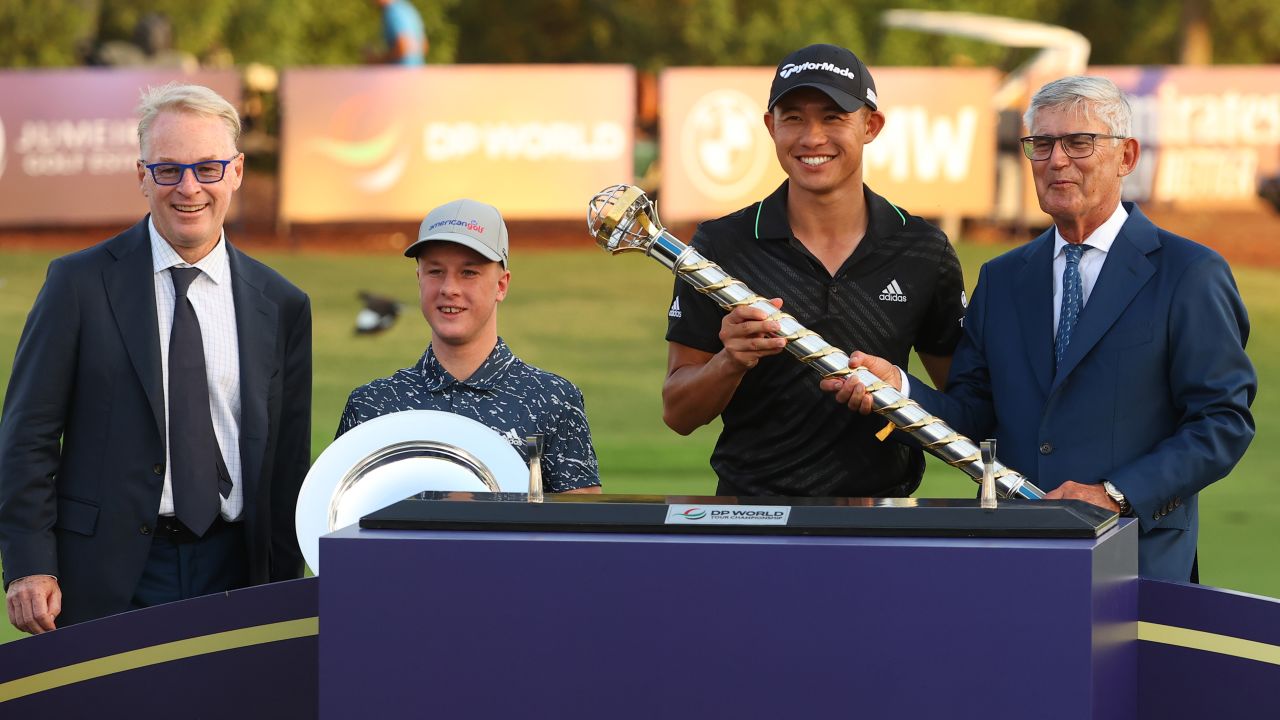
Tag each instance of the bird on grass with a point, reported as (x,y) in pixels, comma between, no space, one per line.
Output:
(378,314)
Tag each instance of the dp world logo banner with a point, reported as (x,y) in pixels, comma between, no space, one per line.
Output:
(69,142)
(390,143)
(935,156)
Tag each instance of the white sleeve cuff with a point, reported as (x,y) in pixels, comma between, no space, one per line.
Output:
(906,384)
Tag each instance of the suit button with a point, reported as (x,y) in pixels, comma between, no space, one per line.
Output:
(1046,448)
(158,468)
(145,529)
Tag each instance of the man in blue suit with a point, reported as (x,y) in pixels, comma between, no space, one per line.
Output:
(1107,355)
(157,424)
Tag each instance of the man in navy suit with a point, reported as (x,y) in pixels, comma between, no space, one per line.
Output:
(1107,355)
(157,424)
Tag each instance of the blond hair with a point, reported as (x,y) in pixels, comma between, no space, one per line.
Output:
(179,97)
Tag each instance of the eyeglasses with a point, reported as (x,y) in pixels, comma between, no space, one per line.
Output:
(205,171)
(1075,145)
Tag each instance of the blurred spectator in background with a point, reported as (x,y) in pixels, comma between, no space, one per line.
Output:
(406,40)
(1269,190)
(152,46)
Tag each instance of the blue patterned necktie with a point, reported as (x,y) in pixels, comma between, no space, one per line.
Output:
(1072,300)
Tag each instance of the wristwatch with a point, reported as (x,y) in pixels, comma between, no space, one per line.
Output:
(1114,493)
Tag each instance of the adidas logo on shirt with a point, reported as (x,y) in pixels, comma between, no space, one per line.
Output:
(893,292)
(675,309)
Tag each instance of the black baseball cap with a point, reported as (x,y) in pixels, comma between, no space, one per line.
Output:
(829,68)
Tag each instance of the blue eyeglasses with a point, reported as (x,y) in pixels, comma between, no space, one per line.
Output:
(205,171)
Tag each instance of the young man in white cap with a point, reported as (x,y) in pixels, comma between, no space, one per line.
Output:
(848,265)
(461,254)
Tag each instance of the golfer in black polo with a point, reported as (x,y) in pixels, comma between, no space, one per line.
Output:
(848,264)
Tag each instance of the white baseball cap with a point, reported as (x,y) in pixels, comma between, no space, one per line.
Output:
(468,223)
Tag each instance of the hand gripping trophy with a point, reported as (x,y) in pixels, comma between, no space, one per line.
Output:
(622,219)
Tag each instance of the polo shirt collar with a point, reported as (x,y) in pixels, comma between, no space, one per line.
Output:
(436,378)
(883,218)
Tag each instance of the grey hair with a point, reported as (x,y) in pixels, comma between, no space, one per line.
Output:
(178,97)
(1090,95)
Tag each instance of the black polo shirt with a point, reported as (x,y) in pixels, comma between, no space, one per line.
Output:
(901,288)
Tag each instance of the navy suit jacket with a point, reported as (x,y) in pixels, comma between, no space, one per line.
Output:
(82,434)
(1153,393)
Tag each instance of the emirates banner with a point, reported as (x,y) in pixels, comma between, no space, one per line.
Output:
(935,156)
(1208,134)
(390,143)
(69,142)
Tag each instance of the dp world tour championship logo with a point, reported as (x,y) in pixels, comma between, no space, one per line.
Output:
(728,514)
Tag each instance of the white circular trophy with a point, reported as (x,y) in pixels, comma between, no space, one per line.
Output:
(394,457)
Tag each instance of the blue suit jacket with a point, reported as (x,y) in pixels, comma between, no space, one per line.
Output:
(82,435)
(1153,393)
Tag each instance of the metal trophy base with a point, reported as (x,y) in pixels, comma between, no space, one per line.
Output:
(885,517)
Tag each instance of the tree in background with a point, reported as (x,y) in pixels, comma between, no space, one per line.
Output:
(650,34)
(64,33)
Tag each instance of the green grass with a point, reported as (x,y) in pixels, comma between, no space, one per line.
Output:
(600,322)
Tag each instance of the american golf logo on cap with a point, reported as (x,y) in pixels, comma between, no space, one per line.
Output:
(791,69)
(472,225)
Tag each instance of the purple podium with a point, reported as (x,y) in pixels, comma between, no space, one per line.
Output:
(525,611)
(622,624)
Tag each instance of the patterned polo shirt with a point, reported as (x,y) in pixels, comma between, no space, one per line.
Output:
(506,394)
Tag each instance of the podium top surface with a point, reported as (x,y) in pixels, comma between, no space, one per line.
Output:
(888,517)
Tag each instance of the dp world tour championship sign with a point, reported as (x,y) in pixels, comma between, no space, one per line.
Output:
(69,142)
(388,143)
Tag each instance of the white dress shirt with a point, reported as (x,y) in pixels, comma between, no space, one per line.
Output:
(210,295)
(1090,262)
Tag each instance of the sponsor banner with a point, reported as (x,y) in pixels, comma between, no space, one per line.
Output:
(69,142)
(390,143)
(728,514)
(935,156)
(1208,134)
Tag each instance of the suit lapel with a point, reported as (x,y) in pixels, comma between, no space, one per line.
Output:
(255,330)
(1033,296)
(1125,272)
(130,288)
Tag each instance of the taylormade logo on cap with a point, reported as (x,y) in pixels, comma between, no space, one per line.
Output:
(831,69)
(788,70)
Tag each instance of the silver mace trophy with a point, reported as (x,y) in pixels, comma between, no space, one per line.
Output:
(622,219)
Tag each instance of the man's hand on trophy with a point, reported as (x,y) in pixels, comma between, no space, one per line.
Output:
(852,393)
(747,334)
(1092,494)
